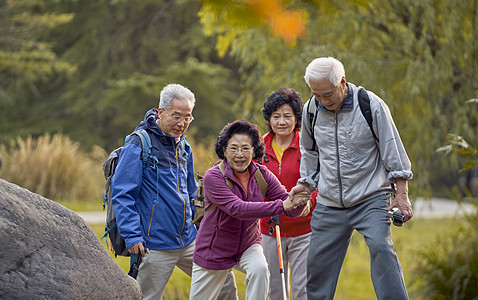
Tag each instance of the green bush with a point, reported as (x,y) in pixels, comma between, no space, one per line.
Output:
(448,268)
(54,167)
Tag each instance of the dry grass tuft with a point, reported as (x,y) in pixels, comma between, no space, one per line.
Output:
(54,167)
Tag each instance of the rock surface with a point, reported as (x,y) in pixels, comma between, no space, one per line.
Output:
(49,252)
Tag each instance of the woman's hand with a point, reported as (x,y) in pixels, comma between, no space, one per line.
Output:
(307,209)
(298,199)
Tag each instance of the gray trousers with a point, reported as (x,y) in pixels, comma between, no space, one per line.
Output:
(294,253)
(332,230)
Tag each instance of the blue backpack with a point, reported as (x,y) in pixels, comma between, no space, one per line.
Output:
(118,244)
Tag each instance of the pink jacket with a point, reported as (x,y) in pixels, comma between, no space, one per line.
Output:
(233,225)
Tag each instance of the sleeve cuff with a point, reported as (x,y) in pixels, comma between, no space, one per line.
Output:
(309,182)
(407,175)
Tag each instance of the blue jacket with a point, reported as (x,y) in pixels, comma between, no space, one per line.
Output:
(153,206)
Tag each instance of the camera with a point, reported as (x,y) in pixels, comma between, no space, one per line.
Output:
(133,271)
(396,215)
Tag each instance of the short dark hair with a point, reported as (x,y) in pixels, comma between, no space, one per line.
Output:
(240,127)
(279,98)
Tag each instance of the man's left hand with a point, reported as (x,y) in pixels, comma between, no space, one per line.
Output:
(402,202)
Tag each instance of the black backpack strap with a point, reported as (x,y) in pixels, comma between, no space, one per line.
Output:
(312,105)
(364,103)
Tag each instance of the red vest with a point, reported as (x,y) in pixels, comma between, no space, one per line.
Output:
(288,173)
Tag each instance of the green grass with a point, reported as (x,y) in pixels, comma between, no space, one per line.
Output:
(354,280)
(79,205)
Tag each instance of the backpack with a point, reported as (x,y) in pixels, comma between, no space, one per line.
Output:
(118,245)
(364,104)
(200,212)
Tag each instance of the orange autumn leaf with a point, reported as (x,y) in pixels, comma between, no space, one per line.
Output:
(287,24)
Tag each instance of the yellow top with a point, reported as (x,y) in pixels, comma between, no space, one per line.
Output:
(278,150)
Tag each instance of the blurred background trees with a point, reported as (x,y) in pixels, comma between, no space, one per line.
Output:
(77,76)
(120,54)
(90,69)
(420,57)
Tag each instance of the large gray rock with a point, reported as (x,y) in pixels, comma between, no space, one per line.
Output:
(48,252)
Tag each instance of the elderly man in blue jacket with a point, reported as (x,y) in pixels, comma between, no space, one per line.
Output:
(153,204)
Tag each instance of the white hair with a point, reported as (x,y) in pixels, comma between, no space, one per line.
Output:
(175,91)
(325,68)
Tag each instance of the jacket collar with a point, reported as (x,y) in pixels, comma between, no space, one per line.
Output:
(270,135)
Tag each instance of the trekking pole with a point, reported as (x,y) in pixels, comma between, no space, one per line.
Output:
(275,219)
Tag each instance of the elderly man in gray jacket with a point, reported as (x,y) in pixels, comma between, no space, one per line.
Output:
(353,172)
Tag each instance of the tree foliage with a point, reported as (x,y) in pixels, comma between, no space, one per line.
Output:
(419,56)
(124,52)
(28,62)
(90,69)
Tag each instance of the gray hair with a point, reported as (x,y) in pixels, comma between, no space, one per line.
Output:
(175,91)
(325,67)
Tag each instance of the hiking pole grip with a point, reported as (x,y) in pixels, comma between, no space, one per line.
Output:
(275,219)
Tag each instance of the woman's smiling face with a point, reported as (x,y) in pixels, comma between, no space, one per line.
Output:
(283,121)
(239,152)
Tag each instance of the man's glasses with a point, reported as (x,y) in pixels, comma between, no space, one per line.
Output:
(178,118)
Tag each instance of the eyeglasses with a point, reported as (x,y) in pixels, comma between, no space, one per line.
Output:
(245,149)
(178,118)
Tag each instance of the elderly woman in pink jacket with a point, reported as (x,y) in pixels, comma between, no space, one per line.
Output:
(229,235)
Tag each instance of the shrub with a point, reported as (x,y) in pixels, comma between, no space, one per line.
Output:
(448,268)
(54,167)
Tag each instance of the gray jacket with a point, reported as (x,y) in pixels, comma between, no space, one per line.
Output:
(350,166)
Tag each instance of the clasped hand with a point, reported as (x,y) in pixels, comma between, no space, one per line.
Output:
(297,197)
